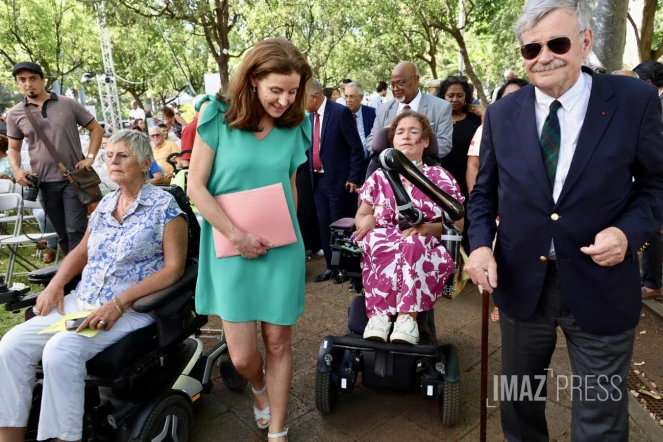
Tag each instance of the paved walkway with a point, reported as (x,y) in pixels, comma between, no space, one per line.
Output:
(369,415)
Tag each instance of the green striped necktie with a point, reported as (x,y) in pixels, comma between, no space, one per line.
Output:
(550,140)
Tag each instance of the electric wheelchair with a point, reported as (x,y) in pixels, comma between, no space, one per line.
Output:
(142,388)
(430,366)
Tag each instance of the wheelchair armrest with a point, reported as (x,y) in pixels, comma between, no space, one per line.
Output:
(344,224)
(161,298)
(44,275)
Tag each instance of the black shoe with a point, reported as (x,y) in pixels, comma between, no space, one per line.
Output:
(324,276)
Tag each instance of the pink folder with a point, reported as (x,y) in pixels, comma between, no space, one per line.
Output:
(262,211)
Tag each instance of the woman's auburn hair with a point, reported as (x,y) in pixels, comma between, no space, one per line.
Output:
(426,128)
(270,56)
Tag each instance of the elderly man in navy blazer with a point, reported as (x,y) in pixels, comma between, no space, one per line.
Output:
(337,164)
(364,116)
(573,166)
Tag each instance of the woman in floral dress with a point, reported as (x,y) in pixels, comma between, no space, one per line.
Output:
(403,272)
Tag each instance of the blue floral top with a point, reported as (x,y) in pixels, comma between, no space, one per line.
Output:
(121,255)
(5,168)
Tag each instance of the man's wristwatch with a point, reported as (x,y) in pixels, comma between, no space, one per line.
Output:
(91,156)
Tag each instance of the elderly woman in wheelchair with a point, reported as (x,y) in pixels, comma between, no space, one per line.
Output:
(404,267)
(135,245)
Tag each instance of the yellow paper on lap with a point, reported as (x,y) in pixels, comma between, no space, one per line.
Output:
(60,327)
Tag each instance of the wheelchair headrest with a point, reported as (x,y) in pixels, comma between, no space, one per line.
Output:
(381,142)
(194,227)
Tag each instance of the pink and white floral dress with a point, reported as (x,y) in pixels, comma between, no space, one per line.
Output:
(403,275)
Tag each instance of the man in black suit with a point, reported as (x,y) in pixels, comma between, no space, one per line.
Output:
(573,166)
(364,116)
(336,161)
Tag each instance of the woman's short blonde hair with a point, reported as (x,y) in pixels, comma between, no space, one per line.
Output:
(137,142)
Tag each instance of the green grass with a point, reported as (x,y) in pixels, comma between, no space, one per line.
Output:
(8,319)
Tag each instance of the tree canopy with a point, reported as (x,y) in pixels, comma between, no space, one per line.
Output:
(160,46)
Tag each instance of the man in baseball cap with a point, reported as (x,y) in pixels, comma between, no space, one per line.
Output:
(59,118)
(27,66)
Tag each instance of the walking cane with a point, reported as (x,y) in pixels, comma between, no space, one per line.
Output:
(484,364)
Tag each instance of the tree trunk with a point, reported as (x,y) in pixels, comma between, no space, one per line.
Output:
(469,69)
(136,97)
(433,60)
(609,24)
(647,30)
(222,63)
(223,29)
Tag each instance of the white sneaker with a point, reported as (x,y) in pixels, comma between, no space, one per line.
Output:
(406,330)
(378,328)
(320,253)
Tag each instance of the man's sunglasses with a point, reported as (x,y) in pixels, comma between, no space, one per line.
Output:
(559,46)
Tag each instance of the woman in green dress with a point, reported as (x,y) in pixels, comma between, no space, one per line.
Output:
(252,136)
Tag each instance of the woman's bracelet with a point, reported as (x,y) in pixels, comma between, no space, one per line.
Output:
(118,305)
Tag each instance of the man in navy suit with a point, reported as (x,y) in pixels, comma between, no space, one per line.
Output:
(337,164)
(573,166)
(364,116)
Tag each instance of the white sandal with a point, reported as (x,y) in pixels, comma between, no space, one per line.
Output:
(283,433)
(263,414)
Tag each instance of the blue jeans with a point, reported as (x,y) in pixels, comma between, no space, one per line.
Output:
(46,227)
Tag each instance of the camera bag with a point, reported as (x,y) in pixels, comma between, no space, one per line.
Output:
(85,181)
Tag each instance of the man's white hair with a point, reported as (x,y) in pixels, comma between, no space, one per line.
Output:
(357,85)
(535,10)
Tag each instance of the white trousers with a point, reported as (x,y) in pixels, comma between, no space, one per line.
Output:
(63,357)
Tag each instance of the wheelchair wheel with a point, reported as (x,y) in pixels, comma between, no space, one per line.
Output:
(170,420)
(449,403)
(229,375)
(325,392)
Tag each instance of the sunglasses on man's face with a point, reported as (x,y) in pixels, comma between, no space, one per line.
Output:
(559,46)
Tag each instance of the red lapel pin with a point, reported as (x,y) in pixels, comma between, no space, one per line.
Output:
(603,114)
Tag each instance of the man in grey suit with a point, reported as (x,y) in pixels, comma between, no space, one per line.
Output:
(407,96)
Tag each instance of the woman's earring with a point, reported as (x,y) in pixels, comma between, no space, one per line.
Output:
(254,89)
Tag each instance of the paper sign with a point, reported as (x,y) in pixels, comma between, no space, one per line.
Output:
(60,327)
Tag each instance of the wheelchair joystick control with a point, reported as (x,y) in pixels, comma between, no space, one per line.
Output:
(395,160)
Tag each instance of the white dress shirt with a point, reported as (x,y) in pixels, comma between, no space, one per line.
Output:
(414,104)
(137,114)
(571,118)
(321,112)
(375,100)
(341,101)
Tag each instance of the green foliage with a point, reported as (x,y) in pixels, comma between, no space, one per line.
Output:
(358,39)
(54,33)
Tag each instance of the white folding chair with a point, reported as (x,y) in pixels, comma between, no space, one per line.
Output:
(6,186)
(13,201)
(109,183)
(102,171)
